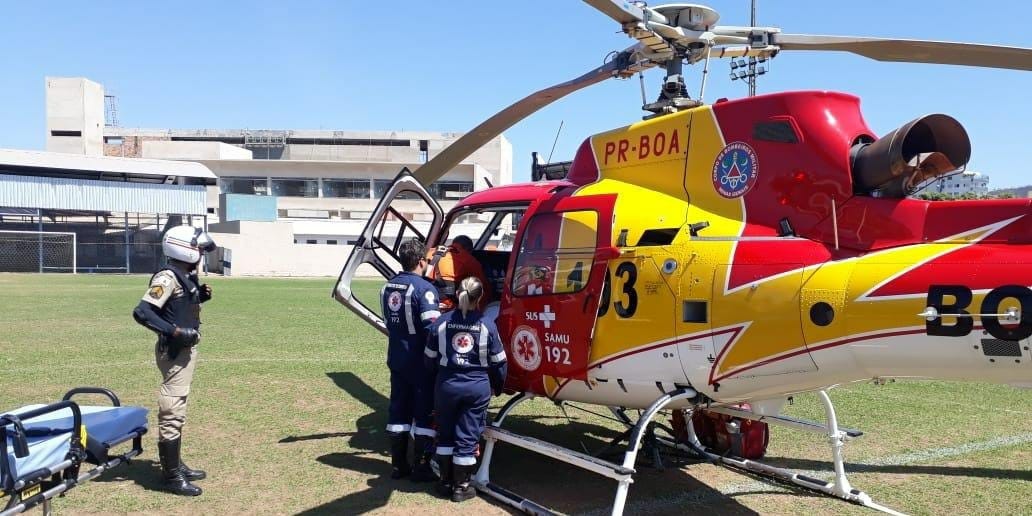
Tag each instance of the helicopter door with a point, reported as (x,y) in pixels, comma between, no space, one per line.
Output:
(393,222)
(556,284)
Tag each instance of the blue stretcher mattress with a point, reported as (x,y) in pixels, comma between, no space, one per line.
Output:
(104,424)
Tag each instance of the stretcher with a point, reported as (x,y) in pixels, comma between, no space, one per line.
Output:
(45,447)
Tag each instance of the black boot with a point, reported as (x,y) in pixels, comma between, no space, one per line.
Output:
(174,481)
(399,455)
(462,488)
(444,466)
(423,472)
(191,474)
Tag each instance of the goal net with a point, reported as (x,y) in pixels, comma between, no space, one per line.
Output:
(37,251)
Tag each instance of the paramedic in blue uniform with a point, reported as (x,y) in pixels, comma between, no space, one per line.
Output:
(410,305)
(172,309)
(470,367)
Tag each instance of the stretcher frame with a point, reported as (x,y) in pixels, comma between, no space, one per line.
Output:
(41,486)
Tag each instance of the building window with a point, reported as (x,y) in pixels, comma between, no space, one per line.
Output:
(311,241)
(346,188)
(451,190)
(244,185)
(295,187)
(113,140)
(380,187)
(441,190)
(331,242)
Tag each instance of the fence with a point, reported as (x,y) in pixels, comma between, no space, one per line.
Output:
(38,251)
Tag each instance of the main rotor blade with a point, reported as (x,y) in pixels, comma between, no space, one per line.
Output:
(621,12)
(468,143)
(913,51)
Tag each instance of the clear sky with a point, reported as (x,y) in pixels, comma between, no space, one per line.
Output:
(446,66)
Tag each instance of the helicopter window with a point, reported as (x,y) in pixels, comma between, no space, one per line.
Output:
(658,236)
(489,230)
(780,131)
(556,253)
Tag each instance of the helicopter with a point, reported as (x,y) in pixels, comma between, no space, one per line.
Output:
(721,258)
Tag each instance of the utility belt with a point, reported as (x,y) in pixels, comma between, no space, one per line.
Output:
(172,346)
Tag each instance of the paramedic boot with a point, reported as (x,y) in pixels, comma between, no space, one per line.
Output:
(444,466)
(423,472)
(174,481)
(399,455)
(462,488)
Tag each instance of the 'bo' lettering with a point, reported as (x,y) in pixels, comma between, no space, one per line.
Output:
(962,297)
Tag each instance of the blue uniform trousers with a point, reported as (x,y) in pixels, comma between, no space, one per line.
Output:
(412,400)
(461,408)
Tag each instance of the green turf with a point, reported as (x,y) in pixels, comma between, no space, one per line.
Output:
(289,405)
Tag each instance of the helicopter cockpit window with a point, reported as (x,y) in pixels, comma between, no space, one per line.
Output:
(489,230)
(556,253)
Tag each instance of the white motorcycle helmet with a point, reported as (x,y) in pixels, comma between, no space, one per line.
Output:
(186,244)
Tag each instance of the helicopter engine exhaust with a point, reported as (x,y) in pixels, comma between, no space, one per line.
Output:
(897,163)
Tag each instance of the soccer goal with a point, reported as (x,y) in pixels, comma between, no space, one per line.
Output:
(37,251)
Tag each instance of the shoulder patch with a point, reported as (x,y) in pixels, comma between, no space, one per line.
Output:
(156,292)
(165,278)
(430,297)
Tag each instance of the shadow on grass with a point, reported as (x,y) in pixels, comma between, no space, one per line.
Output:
(379,489)
(906,469)
(552,483)
(145,473)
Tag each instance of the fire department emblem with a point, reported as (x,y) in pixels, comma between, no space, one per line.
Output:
(462,342)
(526,348)
(735,170)
(394,301)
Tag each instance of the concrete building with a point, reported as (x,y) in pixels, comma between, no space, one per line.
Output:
(62,212)
(956,185)
(75,116)
(317,186)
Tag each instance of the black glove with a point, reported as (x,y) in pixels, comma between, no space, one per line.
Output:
(183,338)
(205,292)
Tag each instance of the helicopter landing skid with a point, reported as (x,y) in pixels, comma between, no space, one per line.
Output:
(839,488)
(622,472)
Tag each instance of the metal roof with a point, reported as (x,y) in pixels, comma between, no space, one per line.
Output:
(58,164)
(62,193)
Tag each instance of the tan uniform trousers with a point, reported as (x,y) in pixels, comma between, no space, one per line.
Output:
(176,376)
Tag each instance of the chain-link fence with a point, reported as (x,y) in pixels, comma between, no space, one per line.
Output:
(120,257)
(37,251)
(90,242)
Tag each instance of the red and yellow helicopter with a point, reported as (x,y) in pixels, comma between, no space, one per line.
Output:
(743,251)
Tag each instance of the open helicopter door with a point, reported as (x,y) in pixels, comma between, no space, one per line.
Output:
(393,222)
(557,282)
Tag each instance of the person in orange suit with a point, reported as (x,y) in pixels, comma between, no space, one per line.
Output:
(451,264)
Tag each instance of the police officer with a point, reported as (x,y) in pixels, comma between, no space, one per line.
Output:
(471,365)
(172,308)
(410,305)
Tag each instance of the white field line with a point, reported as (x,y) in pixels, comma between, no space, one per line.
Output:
(705,496)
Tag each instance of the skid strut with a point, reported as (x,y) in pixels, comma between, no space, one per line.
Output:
(622,473)
(839,488)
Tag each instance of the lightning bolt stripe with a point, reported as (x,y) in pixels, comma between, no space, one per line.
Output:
(967,238)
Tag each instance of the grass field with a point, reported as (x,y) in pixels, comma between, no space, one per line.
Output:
(289,404)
